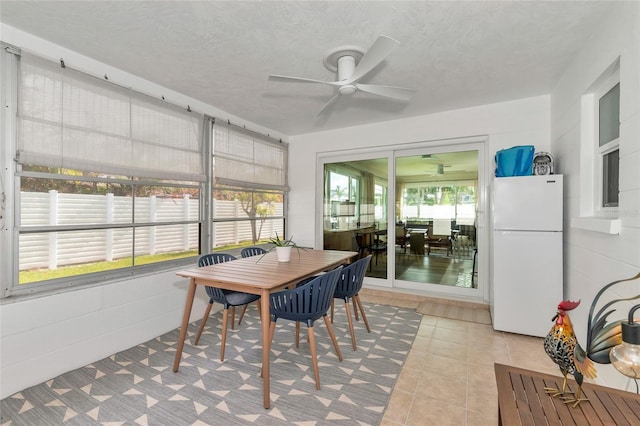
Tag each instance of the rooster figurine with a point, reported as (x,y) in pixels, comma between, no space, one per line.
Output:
(563,348)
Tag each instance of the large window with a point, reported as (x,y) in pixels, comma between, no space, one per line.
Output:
(112,183)
(109,179)
(250,184)
(439,200)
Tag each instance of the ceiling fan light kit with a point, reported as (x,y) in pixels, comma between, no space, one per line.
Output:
(351,64)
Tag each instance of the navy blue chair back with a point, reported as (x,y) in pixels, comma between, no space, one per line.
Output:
(252,251)
(308,302)
(350,281)
(214,293)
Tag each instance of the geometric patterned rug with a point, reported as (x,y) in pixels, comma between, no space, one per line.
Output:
(138,386)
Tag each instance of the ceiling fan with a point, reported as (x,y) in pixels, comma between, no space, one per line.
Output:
(351,64)
(439,170)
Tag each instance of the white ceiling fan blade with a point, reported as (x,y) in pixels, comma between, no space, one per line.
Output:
(379,50)
(328,104)
(286,78)
(399,93)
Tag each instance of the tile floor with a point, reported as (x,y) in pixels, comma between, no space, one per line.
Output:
(448,378)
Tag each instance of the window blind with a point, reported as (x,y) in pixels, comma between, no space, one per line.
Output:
(69,119)
(245,159)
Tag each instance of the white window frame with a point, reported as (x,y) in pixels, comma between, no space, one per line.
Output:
(12,173)
(594,217)
(601,151)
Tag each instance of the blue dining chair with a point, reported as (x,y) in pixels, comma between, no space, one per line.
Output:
(347,288)
(252,251)
(307,303)
(228,298)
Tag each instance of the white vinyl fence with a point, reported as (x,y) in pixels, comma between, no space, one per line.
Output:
(53,249)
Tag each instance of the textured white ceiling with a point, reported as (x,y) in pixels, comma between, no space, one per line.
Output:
(455,54)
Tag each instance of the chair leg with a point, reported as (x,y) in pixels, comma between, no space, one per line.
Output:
(355,309)
(314,359)
(203,322)
(225,319)
(233,317)
(244,309)
(350,321)
(259,308)
(364,316)
(297,334)
(332,300)
(333,337)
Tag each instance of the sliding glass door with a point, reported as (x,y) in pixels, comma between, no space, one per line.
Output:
(355,210)
(414,210)
(436,205)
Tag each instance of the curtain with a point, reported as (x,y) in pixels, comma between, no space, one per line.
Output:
(246,159)
(69,119)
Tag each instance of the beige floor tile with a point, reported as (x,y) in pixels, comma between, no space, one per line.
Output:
(475,418)
(449,349)
(428,411)
(451,335)
(482,398)
(446,366)
(452,324)
(442,388)
(426,330)
(449,377)
(488,355)
(415,360)
(398,407)
(429,320)
(408,380)
(421,344)
(387,422)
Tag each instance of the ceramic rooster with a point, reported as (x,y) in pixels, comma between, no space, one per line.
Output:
(563,348)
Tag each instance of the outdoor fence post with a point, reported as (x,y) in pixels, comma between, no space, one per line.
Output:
(53,236)
(152,218)
(109,232)
(185,216)
(236,209)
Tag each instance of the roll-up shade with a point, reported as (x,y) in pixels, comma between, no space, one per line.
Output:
(246,159)
(69,119)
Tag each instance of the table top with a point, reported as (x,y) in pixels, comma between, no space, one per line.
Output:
(256,273)
(523,401)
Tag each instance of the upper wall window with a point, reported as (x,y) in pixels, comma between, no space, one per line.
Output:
(608,143)
(600,151)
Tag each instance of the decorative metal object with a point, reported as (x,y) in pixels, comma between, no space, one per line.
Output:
(542,164)
(626,356)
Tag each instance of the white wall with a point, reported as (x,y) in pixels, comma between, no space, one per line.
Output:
(42,337)
(519,122)
(593,259)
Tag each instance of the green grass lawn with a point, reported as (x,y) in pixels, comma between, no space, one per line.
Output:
(36,275)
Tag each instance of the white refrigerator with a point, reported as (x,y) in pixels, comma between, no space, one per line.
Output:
(526,253)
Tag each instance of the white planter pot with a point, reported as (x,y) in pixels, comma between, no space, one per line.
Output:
(283,253)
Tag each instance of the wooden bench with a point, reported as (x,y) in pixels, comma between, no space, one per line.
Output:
(523,401)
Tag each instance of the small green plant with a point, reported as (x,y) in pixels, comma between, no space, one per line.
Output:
(282,242)
(277,242)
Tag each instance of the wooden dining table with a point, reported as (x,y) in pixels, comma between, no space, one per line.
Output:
(261,275)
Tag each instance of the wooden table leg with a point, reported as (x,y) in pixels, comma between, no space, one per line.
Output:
(185,323)
(266,346)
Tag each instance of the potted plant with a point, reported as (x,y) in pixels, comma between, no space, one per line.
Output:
(283,247)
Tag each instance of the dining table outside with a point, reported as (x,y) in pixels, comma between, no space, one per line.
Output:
(261,275)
